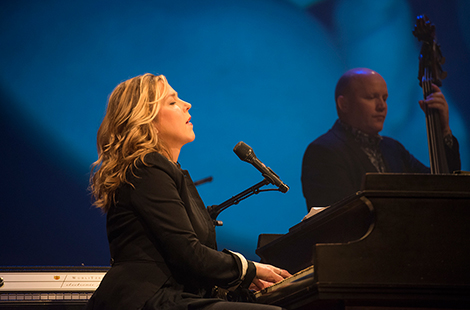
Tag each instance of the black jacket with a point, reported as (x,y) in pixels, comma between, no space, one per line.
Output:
(160,234)
(334,165)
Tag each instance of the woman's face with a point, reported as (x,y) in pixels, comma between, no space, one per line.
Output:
(173,121)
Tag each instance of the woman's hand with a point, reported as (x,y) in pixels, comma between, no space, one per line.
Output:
(267,275)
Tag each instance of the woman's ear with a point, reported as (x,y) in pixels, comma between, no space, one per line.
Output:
(154,123)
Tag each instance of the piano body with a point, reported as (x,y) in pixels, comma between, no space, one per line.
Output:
(403,241)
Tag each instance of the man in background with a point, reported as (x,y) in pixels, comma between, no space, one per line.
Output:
(334,164)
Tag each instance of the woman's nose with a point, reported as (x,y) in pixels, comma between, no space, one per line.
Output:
(187,105)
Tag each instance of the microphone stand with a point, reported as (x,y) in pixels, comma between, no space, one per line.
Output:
(215,210)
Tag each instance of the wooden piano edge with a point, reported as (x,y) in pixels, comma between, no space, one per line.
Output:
(306,294)
(293,295)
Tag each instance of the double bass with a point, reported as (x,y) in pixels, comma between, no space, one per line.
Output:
(430,72)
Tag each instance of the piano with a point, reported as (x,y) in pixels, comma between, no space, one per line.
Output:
(402,241)
(48,287)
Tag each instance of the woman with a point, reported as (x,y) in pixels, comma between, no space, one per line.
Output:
(161,237)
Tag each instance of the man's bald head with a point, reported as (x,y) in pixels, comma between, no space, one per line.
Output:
(345,82)
(361,96)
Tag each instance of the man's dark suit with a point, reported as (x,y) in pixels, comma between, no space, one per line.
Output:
(334,164)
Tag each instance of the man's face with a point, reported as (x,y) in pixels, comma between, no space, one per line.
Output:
(366,103)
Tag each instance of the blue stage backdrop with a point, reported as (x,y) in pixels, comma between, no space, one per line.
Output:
(258,71)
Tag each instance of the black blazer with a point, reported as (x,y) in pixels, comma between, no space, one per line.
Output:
(160,233)
(334,165)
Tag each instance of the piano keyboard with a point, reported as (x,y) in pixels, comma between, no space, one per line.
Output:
(307,272)
(48,284)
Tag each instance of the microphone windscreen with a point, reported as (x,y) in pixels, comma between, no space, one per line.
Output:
(243,151)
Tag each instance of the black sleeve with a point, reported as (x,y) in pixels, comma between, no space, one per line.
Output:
(326,177)
(157,201)
(250,275)
(453,155)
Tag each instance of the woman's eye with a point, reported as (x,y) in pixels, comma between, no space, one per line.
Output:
(172,103)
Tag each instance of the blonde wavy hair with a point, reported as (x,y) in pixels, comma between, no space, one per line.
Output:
(126,134)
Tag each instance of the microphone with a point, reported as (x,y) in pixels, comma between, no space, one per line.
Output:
(245,153)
